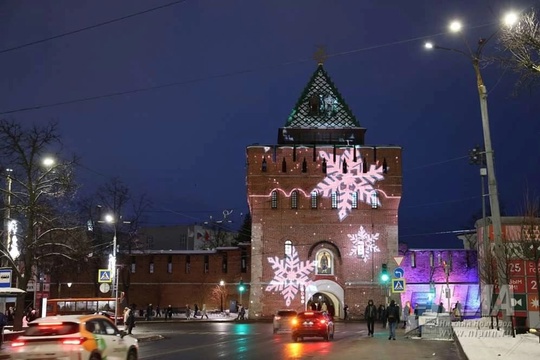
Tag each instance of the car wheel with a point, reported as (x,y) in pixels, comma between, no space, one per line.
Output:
(132,355)
(326,336)
(332,335)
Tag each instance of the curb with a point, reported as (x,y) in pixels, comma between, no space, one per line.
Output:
(150,338)
(460,348)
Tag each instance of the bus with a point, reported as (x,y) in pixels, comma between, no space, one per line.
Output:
(72,306)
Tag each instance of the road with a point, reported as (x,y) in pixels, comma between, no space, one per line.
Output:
(230,340)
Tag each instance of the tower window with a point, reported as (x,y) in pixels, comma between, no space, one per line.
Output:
(151,266)
(354,204)
(274,199)
(133,265)
(294,200)
(334,200)
(288,248)
(169,265)
(314,199)
(206,264)
(374,200)
(224,263)
(243,262)
(263,165)
(188,264)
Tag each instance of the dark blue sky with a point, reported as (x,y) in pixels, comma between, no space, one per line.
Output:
(237,68)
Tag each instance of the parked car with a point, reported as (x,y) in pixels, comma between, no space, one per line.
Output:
(70,337)
(283,320)
(312,324)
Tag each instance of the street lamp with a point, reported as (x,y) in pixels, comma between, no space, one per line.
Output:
(111,220)
(475,58)
(221,284)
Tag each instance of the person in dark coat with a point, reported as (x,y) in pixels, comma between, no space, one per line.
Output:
(384,315)
(130,321)
(370,315)
(393,319)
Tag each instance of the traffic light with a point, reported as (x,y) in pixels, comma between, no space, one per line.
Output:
(384,274)
(241,287)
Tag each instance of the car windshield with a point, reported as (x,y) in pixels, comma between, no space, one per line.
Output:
(286,313)
(44,329)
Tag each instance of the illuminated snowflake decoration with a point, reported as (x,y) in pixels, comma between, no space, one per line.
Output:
(290,275)
(535,303)
(354,180)
(364,244)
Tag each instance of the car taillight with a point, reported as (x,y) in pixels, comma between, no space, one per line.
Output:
(73,341)
(294,321)
(323,321)
(17,343)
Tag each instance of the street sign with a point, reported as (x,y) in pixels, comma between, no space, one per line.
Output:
(398,260)
(398,285)
(104,288)
(398,273)
(104,276)
(519,302)
(5,278)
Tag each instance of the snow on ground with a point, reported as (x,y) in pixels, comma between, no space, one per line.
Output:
(479,342)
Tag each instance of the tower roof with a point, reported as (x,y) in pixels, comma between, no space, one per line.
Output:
(321,105)
(321,116)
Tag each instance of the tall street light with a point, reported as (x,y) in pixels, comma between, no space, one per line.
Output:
(475,57)
(221,284)
(111,220)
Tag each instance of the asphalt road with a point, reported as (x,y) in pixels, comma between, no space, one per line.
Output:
(231,340)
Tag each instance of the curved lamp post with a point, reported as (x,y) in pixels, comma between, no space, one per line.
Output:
(475,57)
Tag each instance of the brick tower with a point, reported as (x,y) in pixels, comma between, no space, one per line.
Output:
(324,209)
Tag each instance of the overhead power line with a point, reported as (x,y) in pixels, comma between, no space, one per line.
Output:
(91,26)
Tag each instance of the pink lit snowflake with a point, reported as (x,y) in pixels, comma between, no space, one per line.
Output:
(345,185)
(290,275)
(364,243)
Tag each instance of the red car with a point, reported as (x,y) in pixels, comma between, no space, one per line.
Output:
(312,324)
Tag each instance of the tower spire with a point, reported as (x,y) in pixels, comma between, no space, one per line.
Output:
(320,55)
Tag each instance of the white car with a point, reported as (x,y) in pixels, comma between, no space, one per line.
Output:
(74,337)
(283,320)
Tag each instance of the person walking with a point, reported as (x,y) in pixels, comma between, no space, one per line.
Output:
(440,309)
(188,312)
(130,321)
(149,311)
(345,311)
(407,310)
(195,310)
(158,311)
(3,322)
(168,312)
(384,315)
(203,312)
(393,319)
(370,314)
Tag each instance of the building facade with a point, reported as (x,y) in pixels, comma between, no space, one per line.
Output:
(324,208)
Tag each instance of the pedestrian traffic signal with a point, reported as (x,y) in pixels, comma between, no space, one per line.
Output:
(241,287)
(384,274)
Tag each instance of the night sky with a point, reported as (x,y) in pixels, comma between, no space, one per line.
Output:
(218,75)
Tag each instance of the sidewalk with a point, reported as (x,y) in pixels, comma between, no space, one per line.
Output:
(479,342)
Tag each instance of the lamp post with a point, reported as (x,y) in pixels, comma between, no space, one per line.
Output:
(475,58)
(7,215)
(221,284)
(111,220)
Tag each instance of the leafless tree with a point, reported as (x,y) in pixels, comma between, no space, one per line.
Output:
(522,42)
(39,199)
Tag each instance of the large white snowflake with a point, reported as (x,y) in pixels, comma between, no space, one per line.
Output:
(290,275)
(364,244)
(345,184)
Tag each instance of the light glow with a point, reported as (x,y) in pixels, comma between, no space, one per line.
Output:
(510,19)
(428,45)
(455,26)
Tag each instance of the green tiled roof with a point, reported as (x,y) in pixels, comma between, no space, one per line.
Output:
(321,106)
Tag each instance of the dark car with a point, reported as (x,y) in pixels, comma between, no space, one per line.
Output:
(312,324)
(110,315)
(282,320)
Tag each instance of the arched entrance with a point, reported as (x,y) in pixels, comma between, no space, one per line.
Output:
(326,291)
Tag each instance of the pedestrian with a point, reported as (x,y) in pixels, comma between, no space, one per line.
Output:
(393,319)
(345,311)
(127,311)
(188,312)
(203,312)
(384,315)
(407,310)
(243,313)
(440,309)
(457,311)
(239,311)
(324,307)
(195,311)
(168,312)
(370,314)
(11,315)
(31,315)
(130,321)
(3,323)
(149,311)
(158,311)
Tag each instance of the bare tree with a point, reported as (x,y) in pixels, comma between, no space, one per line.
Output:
(522,42)
(38,200)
